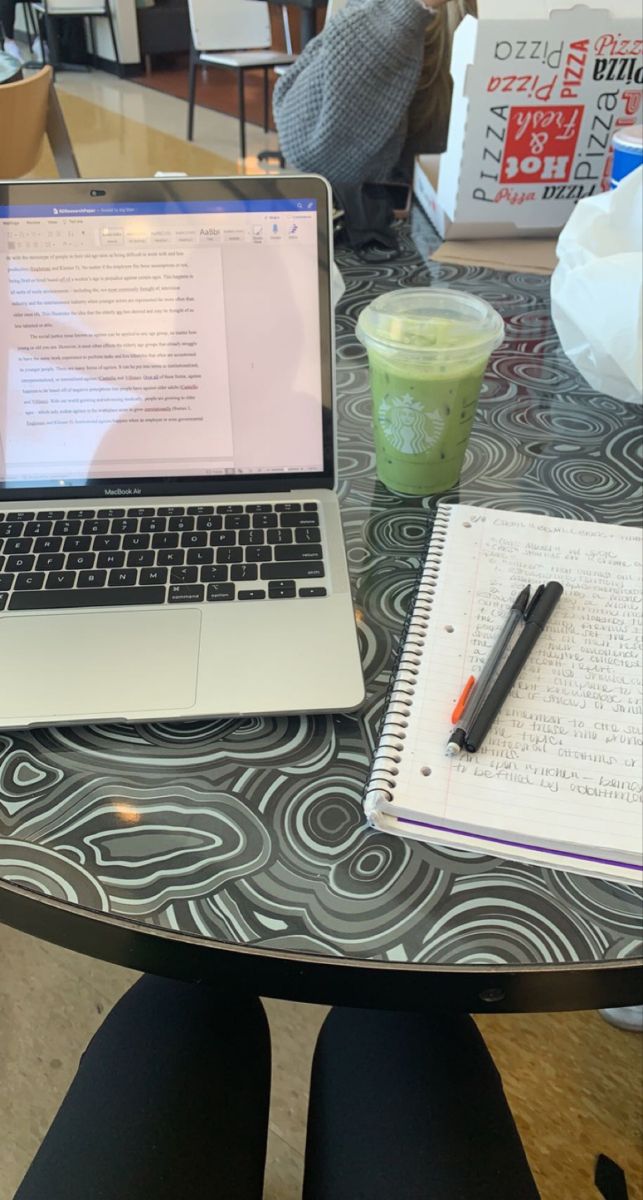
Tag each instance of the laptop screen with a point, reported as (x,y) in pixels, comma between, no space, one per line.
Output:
(156,339)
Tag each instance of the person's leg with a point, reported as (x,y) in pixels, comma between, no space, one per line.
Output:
(170,1103)
(7,18)
(406,1106)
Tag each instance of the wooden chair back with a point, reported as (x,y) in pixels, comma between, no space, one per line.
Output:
(23,121)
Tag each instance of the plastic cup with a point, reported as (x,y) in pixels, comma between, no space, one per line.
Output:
(428,349)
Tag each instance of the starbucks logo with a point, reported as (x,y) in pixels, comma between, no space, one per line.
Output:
(407,426)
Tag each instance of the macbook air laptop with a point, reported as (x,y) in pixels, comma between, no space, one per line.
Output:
(170,536)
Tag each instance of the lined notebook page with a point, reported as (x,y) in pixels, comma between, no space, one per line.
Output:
(559,774)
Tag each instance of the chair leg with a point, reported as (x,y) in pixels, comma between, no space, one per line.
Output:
(191,90)
(266,100)
(108,14)
(242,114)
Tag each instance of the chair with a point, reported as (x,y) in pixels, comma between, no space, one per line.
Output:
(29,111)
(332,7)
(75,8)
(220,33)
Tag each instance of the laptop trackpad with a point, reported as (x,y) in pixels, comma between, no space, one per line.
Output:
(67,666)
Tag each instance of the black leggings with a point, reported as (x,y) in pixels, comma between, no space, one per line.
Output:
(8,17)
(171,1101)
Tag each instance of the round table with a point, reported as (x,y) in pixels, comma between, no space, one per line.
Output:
(235,851)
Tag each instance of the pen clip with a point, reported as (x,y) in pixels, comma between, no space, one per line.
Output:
(534,600)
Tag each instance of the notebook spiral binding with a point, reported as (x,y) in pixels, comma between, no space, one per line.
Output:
(401,692)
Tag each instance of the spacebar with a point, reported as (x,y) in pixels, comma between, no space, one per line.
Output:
(87,598)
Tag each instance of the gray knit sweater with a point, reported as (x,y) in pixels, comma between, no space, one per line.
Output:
(341,109)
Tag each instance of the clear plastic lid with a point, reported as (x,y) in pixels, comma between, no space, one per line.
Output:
(630,138)
(430,324)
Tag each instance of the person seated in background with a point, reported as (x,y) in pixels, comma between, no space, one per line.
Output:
(371,91)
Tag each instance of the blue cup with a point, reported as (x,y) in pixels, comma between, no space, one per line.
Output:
(628,152)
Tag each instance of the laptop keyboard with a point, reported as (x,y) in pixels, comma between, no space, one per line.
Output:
(83,557)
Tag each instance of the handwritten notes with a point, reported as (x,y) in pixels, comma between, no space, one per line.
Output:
(559,776)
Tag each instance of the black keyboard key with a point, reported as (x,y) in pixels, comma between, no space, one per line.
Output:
(292,570)
(21,515)
(229,554)
(209,522)
(220,591)
(298,520)
(170,558)
(81,514)
(136,541)
(66,528)
(190,540)
(60,579)
(290,507)
(311,506)
(244,572)
(152,575)
(112,559)
(297,553)
(251,594)
(99,525)
(6,581)
(47,545)
(171,511)
(278,537)
(313,534)
(20,562)
(198,510)
(258,554)
(18,545)
(312,591)
(251,537)
(141,558)
(181,524)
(165,541)
(37,528)
(50,562)
(139,512)
(107,541)
(80,562)
(236,521)
(193,593)
(75,545)
(201,556)
(217,574)
(4,599)
(124,525)
(259,508)
(111,512)
(89,598)
(265,521)
(223,537)
(230,508)
(123,577)
(184,575)
(91,579)
(50,514)
(29,582)
(11,529)
(282,589)
(153,525)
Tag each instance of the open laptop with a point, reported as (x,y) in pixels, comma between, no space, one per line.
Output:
(170,536)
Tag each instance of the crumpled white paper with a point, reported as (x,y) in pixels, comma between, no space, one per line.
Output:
(597,289)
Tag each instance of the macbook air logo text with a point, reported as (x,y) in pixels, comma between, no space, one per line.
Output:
(122,491)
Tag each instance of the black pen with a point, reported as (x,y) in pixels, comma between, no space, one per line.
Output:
(536,618)
(478,692)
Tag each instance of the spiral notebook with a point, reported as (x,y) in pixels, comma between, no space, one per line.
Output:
(557,780)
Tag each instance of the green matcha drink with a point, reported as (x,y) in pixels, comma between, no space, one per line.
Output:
(428,349)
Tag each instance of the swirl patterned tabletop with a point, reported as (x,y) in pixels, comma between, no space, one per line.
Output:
(236,850)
